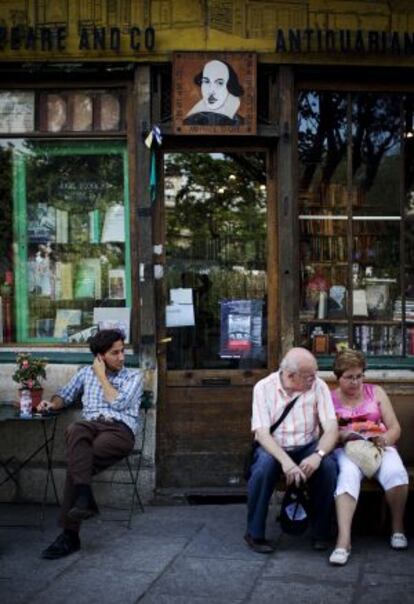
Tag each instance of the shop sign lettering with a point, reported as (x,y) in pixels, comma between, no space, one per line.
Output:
(44,39)
(344,41)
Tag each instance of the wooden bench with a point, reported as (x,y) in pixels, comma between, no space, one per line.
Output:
(372,513)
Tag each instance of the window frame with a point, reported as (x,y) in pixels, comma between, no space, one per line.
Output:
(20,226)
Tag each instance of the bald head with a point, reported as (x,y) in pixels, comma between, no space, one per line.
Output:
(298,359)
(298,369)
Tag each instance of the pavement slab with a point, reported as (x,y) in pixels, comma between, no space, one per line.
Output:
(192,555)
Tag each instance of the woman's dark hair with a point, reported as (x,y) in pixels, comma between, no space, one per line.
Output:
(103,340)
(233,84)
(348,359)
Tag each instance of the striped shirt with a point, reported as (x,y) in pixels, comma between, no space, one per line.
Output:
(301,425)
(125,408)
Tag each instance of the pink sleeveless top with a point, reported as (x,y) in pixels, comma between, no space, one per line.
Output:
(364,418)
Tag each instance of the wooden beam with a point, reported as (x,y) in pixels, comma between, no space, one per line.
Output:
(142,93)
(287,212)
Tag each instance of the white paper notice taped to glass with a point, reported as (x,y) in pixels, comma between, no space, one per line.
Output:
(180,313)
(181,295)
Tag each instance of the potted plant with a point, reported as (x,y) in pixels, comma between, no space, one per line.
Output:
(29,373)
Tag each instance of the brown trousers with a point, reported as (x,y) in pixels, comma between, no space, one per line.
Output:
(92,446)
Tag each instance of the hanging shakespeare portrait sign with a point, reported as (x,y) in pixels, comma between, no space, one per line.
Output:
(214,93)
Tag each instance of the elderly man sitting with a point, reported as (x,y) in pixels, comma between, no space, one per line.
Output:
(298,447)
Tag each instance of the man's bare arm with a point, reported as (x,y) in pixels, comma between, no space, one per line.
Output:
(55,404)
(293,472)
(327,442)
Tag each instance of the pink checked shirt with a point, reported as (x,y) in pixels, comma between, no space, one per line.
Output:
(301,425)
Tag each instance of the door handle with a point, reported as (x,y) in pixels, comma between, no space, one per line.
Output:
(165,340)
(216,381)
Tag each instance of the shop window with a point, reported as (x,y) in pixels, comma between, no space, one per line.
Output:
(66,268)
(356,280)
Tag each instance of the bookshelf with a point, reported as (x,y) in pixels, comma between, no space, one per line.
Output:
(350,280)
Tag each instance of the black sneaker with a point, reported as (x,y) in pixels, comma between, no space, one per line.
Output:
(260,546)
(64,545)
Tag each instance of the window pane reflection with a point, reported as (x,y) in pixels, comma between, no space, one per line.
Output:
(376,154)
(322,145)
(216,258)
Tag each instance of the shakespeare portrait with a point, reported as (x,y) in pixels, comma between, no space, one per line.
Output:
(214,94)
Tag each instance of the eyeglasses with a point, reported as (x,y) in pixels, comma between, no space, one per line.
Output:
(306,377)
(353,378)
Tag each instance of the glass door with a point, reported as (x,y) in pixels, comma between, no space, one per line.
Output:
(215,343)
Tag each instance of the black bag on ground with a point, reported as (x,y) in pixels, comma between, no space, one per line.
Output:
(294,511)
(248,458)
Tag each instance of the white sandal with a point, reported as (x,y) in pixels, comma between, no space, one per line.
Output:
(339,556)
(398,541)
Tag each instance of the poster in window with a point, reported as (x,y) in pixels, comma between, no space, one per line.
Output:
(88,280)
(41,223)
(114,224)
(377,299)
(64,318)
(214,93)
(241,327)
(111,317)
(180,312)
(116,283)
(45,328)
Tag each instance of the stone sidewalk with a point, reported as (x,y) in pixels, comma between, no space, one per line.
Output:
(191,555)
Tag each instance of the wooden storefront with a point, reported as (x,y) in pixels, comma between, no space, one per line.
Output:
(290,224)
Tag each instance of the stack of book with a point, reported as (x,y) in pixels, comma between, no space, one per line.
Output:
(409,309)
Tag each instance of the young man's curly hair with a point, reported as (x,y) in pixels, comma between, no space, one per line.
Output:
(103,340)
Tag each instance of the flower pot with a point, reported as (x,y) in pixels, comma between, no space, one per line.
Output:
(37,395)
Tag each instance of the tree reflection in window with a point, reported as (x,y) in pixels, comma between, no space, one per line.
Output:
(216,245)
(349,148)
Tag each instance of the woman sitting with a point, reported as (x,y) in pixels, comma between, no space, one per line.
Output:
(366,409)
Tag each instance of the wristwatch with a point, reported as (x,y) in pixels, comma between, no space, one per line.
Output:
(321,453)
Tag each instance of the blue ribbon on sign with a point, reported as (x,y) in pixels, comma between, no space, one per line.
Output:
(153,178)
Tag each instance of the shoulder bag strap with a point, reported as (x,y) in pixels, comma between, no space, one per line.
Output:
(284,414)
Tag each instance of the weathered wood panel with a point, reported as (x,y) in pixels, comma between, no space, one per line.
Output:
(205,431)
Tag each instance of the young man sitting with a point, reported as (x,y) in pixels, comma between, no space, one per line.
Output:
(111,397)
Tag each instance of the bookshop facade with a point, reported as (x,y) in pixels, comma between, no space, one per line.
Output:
(220,202)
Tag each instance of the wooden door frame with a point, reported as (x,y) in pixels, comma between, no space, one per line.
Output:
(240,379)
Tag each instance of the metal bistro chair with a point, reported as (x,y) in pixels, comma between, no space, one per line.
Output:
(132,470)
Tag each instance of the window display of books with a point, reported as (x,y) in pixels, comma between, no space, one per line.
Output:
(380,340)
(59,274)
